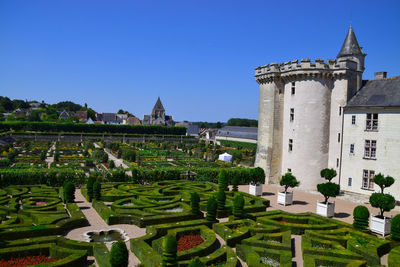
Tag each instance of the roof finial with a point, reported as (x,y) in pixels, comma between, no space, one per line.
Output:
(351,18)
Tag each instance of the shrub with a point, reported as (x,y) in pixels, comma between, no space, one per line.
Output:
(119,255)
(257,175)
(211,209)
(361,217)
(97,190)
(223,180)
(221,198)
(69,192)
(43,155)
(194,203)
(383,182)
(89,188)
(196,263)
(395,228)
(169,249)
(238,204)
(328,174)
(328,189)
(111,164)
(288,180)
(384,202)
(235,183)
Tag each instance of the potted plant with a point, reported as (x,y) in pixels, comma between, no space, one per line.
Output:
(328,190)
(285,197)
(385,202)
(257,176)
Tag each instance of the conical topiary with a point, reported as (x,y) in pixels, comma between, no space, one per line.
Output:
(211,209)
(235,183)
(69,192)
(238,204)
(221,198)
(194,203)
(89,188)
(96,190)
(196,262)
(169,249)
(223,180)
(119,256)
(395,228)
(361,217)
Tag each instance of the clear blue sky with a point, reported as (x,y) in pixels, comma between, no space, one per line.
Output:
(198,56)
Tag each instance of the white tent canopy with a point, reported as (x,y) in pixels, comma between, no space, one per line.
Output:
(225,157)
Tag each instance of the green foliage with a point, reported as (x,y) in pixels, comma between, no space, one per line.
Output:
(361,217)
(288,180)
(89,187)
(96,190)
(169,250)
(382,181)
(328,190)
(328,174)
(196,263)
(111,164)
(238,205)
(211,209)
(51,177)
(129,155)
(238,145)
(257,175)
(395,227)
(119,255)
(235,183)
(242,122)
(69,192)
(43,155)
(223,180)
(194,203)
(384,202)
(221,198)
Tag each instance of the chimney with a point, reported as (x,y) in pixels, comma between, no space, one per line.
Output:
(380,75)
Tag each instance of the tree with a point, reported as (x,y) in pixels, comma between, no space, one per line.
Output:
(235,183)
(288,180)
(219,125)
(328,189)
(223,180)
(382,181)
(238,205)
(169,250)
(221,198)
(194,203)
(97,190)
(89,188)
(69,192)
(384,202)
(119,256)
(111,164)
(211,209)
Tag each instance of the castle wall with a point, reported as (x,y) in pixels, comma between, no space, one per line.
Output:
(309,130)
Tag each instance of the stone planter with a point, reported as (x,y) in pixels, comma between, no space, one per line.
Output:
(285,198)
(255,189)
(380,226)
(326,210)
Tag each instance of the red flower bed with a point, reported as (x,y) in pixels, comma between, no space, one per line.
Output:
(26,261)
(189,241)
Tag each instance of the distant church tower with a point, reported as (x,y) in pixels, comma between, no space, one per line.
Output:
(300,113)
(157,116)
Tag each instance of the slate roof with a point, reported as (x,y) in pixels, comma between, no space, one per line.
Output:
(238,132)
(378,93)
(350,45)
(158,105)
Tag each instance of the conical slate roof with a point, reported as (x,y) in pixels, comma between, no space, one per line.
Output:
(350,45)
(158,105)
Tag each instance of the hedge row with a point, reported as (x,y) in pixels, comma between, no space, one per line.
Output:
(51,177)
(90,128)
(101,135)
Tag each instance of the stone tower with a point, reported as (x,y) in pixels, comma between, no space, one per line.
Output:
(158,111)
(300,113)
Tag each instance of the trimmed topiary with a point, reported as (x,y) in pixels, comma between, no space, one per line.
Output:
(328,189)
(196,263)
(223,180)
(235,183)
(221,198)
(384,202)
(97,190)
(69,192)
(119,256)
(238,204)
(89,188)
(288,180)
(194,203)
(211,209)
(361,217)
(395,228)
(169,250)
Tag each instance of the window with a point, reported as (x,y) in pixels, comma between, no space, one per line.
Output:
(338,137)
(289,170)
(340,111)
(372,121)
(337,162)
(351,148)
(370,149)
(292,114)
(349,181)
(353,120)
(293,88)
(290,144)
(368,179)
